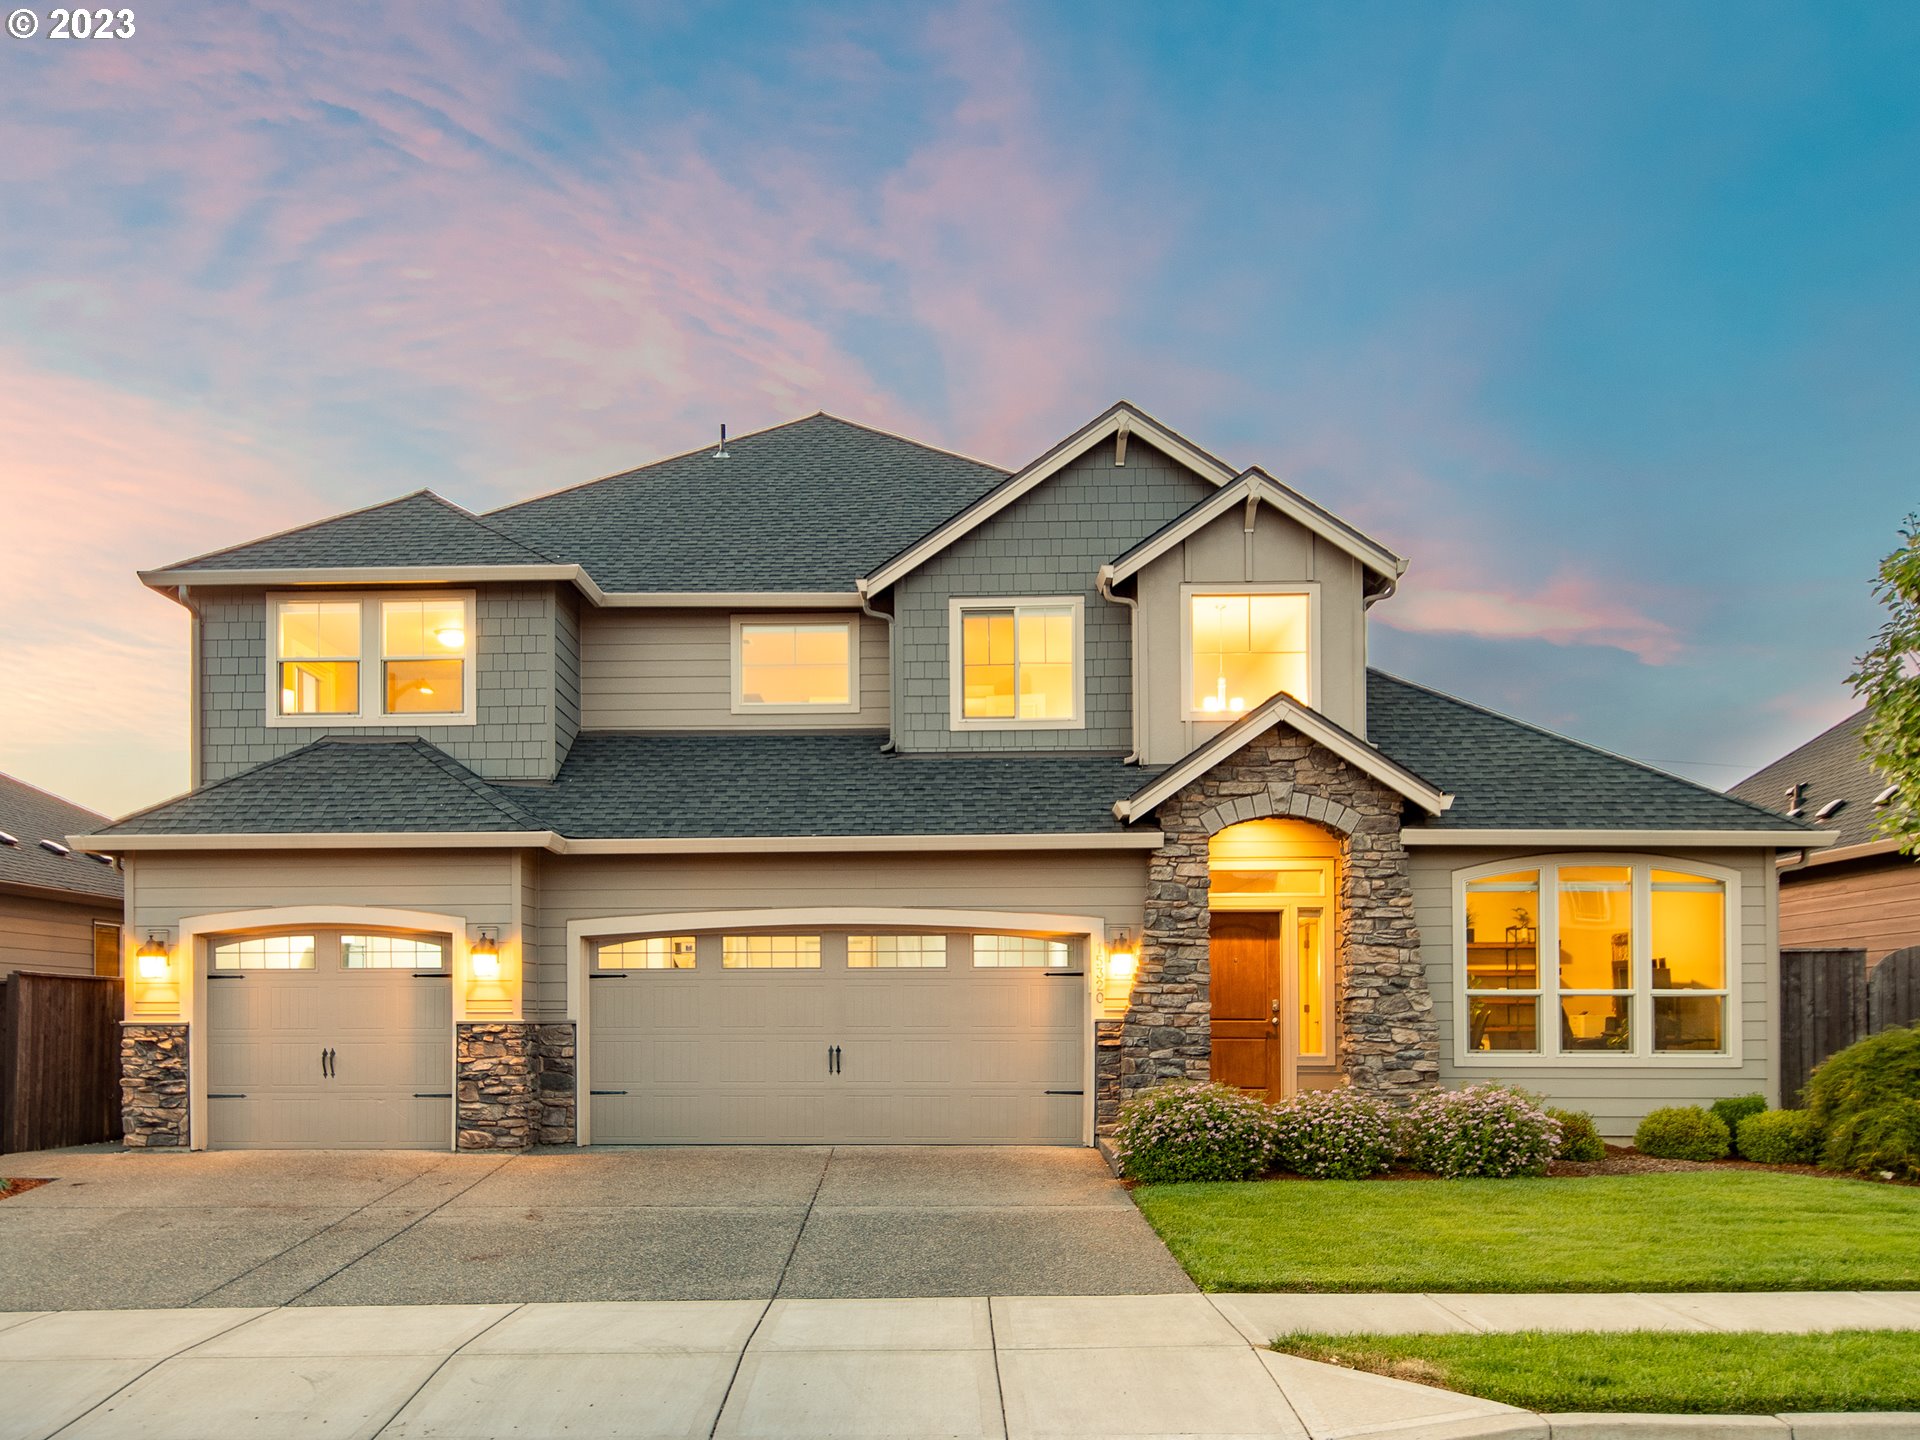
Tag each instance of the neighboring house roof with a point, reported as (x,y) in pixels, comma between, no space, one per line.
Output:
(420,529)
(1508,775)
(806,506)
(28,816)
(1283,709)
(1833,766)
(1256,486)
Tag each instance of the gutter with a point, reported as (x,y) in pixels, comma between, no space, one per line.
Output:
(893,670)
(557,844)
(1133,659)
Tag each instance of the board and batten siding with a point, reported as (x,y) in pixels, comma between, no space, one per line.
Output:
(647,669)
(1871,905)
(1111,885)
(515,736)
(1281,552)
(1051,542)
(1616,1096)
(55,936)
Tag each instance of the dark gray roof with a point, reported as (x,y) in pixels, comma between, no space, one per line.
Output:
(1505,774)
(30,815)
(340,785)
(810,505)
(416,529)
(1833,766)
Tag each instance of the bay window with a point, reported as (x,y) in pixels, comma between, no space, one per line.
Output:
(1245,645)
(1598,960)
(370,659)
(1016,663)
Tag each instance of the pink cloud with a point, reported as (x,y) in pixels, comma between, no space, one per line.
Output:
(1570,610)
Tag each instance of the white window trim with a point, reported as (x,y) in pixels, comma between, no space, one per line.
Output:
(742,706)
(1642,1056)
(372,664)
(959,605)
(1308,588)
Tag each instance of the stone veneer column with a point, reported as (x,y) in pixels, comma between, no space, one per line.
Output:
(558,1098)
(1389,1042)
(153,1086)
(493,1085)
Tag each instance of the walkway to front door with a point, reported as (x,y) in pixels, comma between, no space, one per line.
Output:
(225,1228)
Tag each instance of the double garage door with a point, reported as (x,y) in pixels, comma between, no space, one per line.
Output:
(836,1038)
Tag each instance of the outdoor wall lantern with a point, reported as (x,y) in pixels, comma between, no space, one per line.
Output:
(486,957)
(1123,957)
(153,957)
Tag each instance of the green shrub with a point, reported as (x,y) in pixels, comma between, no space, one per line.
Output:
(1335,1134)
(1780,1137)
(1477,1131)
(1736,1108)
(1867,1102)
(1579,1139)
(1682,1132)
(1194,1132)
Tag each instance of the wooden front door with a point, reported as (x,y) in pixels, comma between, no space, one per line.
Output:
(1253,1015)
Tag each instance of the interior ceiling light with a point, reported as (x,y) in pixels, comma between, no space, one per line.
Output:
(451,636)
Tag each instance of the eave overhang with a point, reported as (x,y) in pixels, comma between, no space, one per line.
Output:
(557,844)
(1415,836)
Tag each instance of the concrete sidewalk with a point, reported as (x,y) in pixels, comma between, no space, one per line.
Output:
(1054,1366)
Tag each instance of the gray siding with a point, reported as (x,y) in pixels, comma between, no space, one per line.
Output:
(646,669)
(1052,542)
(50,935)
(1281,552)
(515,737)
(1617,1095)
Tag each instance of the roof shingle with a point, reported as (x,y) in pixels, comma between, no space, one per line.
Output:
(31,815)
(420,529)
(1833,766)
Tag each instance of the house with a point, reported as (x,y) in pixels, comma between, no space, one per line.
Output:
(59,907)
(829,787)
(1861,893)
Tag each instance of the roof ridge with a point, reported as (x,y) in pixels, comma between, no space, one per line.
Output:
(225,780)
(307,525)
(57,799)
(909,440)
(454,770)
(1805,745)
(485,523)
(1590,748)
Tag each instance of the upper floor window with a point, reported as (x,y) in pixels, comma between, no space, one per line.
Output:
(1600,960)
(795,665)
(1016,664)
(371,659)
(1245,645)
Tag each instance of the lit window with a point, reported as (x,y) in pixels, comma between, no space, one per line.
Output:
(391,952)
(1245,649)
(1019,952)
(1310,941)
(423,647)
(265,952)
(320,657)
(1017,663)
(1608,988)
(896,952)
(654,952)
(770,952)
(794,665)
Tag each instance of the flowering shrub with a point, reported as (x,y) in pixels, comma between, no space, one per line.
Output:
(1193,1132)
(1579,1139)
(1480,1130)
(1683,1132)
(1334,1134)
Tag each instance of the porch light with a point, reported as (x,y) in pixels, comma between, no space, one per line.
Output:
(1122,957)
(153,957)
(486,957)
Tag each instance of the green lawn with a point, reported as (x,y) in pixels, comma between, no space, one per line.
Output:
(1732,1374)
(1691,1230)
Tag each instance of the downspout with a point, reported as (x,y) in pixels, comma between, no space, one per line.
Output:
(1133,659)
(893,668)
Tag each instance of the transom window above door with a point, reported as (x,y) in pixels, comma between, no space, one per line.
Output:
(1245,646)
(371,659)
(795,665)
(1016,664)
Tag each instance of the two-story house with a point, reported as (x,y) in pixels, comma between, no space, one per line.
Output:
(828,787)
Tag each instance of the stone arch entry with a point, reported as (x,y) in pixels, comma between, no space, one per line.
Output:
(1389,1041)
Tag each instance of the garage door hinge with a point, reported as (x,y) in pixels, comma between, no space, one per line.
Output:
(213,1096)
(1066,974)
(606,1092)
(1066,1092)
(433,1095)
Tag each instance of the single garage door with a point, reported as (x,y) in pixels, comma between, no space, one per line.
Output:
(837,1038)
(330,1040)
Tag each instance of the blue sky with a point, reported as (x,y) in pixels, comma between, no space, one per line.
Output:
(1606,316)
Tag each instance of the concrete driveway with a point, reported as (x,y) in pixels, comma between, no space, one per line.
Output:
(125,1230)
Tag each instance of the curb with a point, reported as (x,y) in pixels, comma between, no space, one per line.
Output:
(1837,1425)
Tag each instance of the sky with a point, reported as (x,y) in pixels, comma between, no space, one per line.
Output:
(1606,316)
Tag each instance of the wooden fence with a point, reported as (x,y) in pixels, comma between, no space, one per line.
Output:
(59,1060)
(1829,999)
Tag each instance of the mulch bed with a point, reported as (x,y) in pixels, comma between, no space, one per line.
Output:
(11,1188)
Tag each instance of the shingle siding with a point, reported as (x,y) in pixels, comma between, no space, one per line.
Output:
(514,734)
(1052,542)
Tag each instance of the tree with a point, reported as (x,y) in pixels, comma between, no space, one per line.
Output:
(1887,677)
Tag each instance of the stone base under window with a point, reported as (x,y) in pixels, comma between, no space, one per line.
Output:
(154,1086)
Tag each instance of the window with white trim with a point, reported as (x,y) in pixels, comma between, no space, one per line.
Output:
(770,952)
(1020,952)
(788,665)
(649,952)
(1244,646)
(896,952)
(379,659)
(1597,960)
(265,952)
(1016,664)
(392,952)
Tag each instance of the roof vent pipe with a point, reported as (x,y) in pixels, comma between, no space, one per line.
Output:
(721,453)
